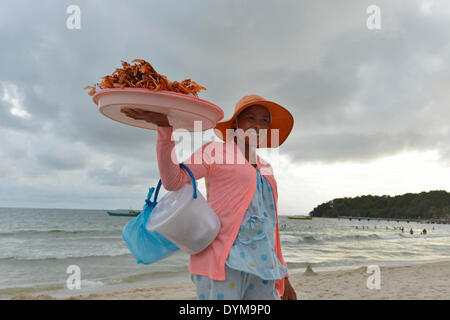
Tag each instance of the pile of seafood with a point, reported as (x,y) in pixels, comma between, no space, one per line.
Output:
(143,75)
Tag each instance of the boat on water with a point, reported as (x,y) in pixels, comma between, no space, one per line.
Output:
(300,218)
(129,213)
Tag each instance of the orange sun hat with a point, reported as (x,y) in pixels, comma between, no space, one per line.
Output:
(282,119)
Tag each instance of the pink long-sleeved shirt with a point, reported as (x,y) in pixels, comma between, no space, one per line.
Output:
(232,184)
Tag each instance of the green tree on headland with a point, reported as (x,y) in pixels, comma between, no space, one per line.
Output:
(424,205)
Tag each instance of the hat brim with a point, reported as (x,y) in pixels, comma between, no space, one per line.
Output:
(282,120)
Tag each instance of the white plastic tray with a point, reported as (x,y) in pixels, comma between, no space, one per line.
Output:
(181,109)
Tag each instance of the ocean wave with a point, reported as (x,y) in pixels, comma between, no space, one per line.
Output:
(389,236)
(176,270)
(319,239)
(91,283)
(413,236)
(57,231)
(292,239)
(298,239)
(9,292)
(62,257)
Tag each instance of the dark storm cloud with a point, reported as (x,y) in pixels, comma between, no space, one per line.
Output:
(370,95)
(373,70)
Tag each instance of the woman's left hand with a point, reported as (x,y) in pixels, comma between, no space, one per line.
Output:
(289,292)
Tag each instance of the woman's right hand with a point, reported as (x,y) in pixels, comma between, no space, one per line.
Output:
(160,119)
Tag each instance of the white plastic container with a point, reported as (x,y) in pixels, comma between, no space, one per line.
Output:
(188,222)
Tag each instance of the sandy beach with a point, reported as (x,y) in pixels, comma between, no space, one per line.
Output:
(429,281)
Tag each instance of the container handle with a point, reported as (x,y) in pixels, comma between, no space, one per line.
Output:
(194,184)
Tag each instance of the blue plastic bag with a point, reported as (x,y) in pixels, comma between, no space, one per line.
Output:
(145,246)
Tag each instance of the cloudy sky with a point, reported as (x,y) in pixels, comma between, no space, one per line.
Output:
(371,106)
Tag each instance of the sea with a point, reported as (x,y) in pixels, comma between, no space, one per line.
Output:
(42,249)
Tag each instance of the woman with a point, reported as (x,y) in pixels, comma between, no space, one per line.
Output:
(245,260)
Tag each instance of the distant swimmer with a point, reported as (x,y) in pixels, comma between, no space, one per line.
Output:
(424,231)
(411,231)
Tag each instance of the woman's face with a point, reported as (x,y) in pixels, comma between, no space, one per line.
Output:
(255,117)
